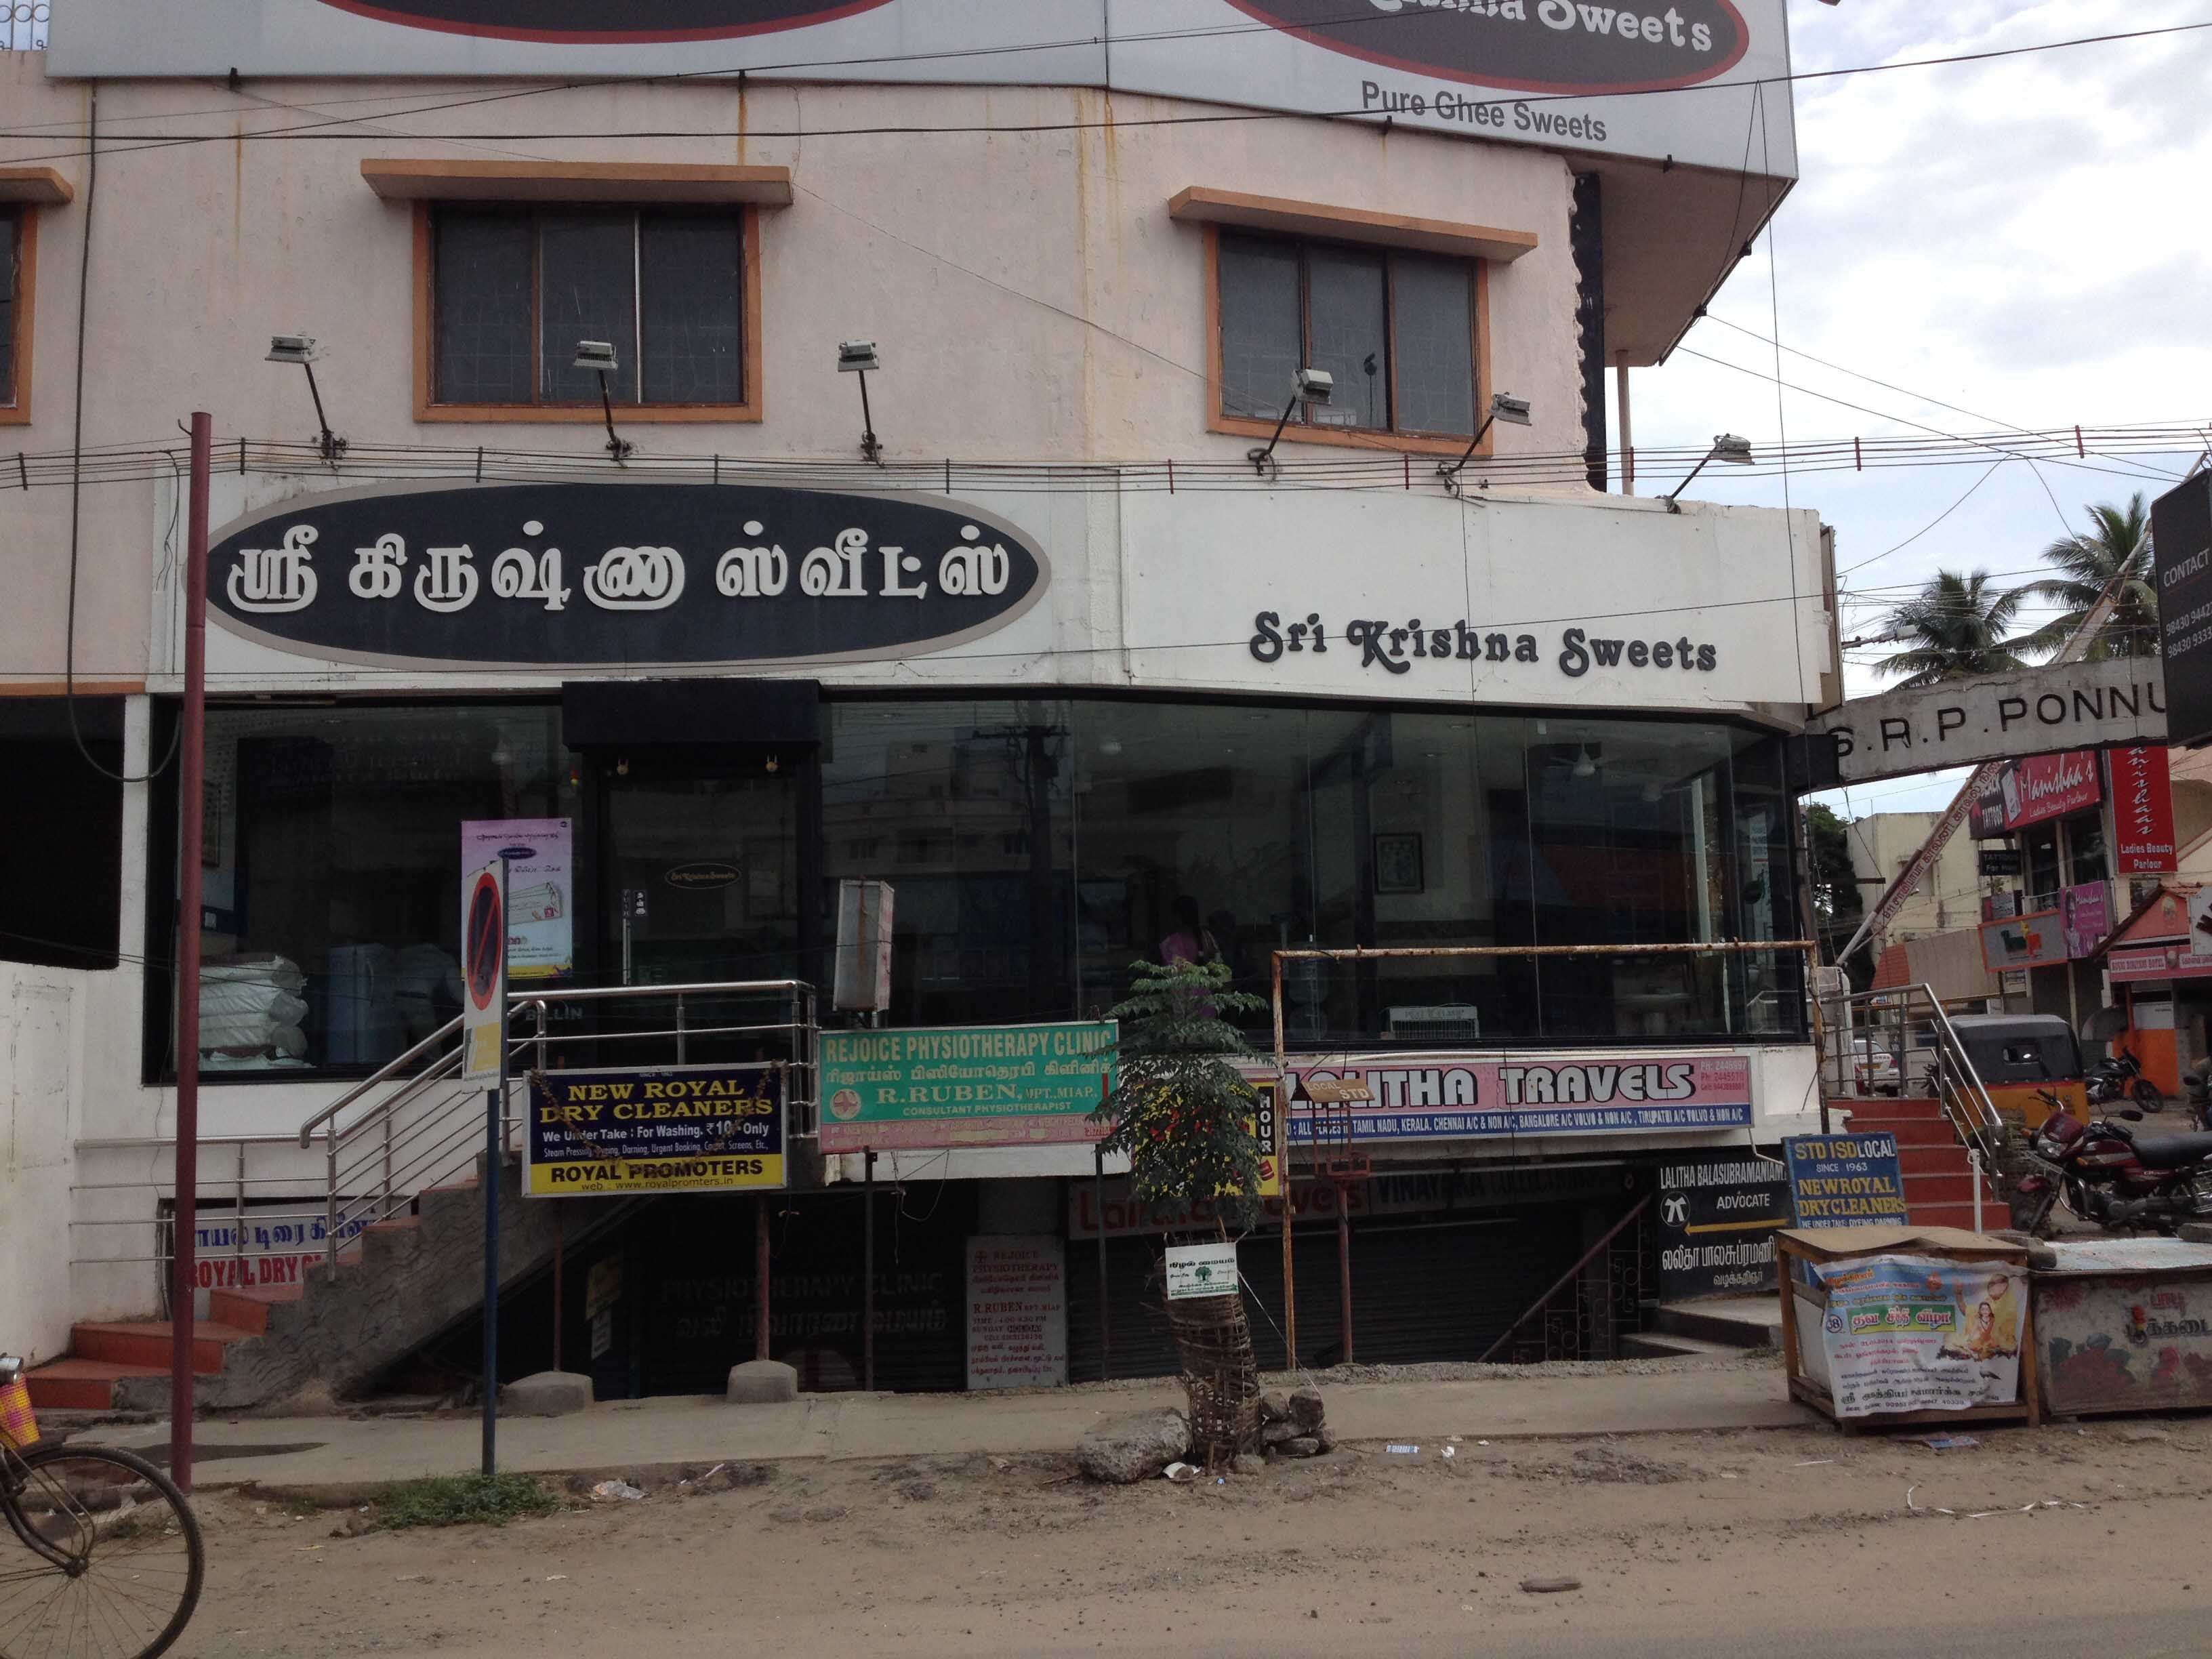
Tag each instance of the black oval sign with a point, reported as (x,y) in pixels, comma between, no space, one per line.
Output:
(1529,46)
(704,878)
(597,21)
(618,574)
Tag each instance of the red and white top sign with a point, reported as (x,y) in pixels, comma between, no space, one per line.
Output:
(2142,812)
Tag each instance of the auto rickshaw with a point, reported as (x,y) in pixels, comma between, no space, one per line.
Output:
(2020,1058)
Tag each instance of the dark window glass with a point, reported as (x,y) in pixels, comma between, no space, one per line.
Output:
(516,291)
(1396,332)
(587,291)
(692,301)
(1262,327)
(11,276)
(483,309)
(60,834)
(1433,303)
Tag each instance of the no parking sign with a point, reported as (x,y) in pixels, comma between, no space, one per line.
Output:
(483,969)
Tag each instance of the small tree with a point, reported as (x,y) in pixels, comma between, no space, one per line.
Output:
(1183,1113)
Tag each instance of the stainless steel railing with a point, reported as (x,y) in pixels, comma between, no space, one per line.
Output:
(1906,1026)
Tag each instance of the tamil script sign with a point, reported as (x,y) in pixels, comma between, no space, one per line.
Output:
(675,1129)
(928,1089)
(2089,705)
(1510,71)
(1017,1313)
(1907,1334)
(1197,1271)
(1459,1097)
(1718,1218)
(1844,1180)
(2181,536)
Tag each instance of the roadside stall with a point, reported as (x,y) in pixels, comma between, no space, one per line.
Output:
(1885,1326)
(2124,1325)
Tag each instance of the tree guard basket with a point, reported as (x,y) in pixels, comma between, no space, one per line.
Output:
(1219,1374)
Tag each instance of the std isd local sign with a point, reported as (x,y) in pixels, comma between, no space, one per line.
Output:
(673,1129)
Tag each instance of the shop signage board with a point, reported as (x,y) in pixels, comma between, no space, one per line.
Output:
(1196,1272)
(618,575)
(2140,786)
(1467,1097)
(483,971)
(1717,1218)
(1844,1180)
(2181,536)
(2086,919)
(1906,1333)
(953,1086)
(2037,790)
(668,1129)
(1386,1193)
(2086,705)
(1017,1313)
(2035,940)
(2196,952)
(1526,72)
(541,934)
(1998,861)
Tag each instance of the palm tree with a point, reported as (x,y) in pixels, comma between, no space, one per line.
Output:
(1953,629)
(2116,549)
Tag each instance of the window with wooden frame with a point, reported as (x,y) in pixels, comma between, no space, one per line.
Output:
(1403,332)
(507,290)
(18,244)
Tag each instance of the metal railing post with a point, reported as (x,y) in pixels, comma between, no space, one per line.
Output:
(238,1232)
(330,1197)
(679,1028)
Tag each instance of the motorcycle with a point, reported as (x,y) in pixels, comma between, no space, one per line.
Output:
(2109,1176)
(2121,1078)
(2197,1087)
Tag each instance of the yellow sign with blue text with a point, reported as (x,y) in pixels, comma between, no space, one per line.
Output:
(673,1129)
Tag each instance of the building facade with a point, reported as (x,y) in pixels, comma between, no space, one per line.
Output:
(1069,633)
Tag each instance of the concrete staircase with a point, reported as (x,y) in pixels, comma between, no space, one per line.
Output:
(1939,1177)
(401,1285)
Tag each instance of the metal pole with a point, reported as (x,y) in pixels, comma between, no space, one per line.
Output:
(495,1162)
(1627,427)
(760,1277)
(191,785)
(1284,1091)
(1344,1267)
(559,1251)
(1098,1204)
(868,1269)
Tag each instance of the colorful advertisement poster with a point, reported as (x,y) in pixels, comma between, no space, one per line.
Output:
(2143,811)
(673,1129)
(1718,1218)
(541,935)
(2085,917)
(2120,1341)
(2031,941)
(953,1086)
(1458,1097)
(1905,1333)
(1017,1313)
(1844,1180)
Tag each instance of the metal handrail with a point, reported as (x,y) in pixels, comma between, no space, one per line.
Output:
(383,1073)
(1568,1280)
(1963,1097)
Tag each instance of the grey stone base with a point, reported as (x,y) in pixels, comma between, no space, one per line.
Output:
(761,1383)
(549,1393)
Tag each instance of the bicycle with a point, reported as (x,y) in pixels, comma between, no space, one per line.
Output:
(118,1559)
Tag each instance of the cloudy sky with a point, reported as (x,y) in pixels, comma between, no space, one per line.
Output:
(2025,239)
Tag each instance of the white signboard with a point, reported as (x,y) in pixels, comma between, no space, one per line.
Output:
(1907,1334)
(483,971)
(2090,705)
(541,930)
(1669,83)
(1017,1313)
(1197,1271)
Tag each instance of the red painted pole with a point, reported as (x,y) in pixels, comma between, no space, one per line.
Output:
(191,770)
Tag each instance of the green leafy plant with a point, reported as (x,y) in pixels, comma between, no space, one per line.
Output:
(1179,1108)
(465,1500)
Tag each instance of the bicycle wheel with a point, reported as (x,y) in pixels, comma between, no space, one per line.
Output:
(112,1562)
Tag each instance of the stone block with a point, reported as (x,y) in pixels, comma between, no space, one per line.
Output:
(1305,1446)
(1132,1446)
(761,1383)
(548,1394)
(1274,1406)
(1306,1409)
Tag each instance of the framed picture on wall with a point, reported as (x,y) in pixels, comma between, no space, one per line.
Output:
(1398,863)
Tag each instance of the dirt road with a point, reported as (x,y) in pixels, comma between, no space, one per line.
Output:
(1807,1543)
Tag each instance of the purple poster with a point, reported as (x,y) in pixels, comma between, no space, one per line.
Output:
(2087,913)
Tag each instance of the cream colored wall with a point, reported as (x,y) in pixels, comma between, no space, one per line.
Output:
(1031,296)
(1882,841)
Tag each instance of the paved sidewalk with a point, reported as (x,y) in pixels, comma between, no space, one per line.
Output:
(662,1436)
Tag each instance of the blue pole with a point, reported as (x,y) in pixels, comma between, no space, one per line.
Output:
(494,1102)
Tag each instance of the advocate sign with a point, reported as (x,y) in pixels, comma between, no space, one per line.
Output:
(1562,72)
(2090,705)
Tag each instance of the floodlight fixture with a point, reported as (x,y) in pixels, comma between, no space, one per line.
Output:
(301,348)
(1504,406)
(597,357)
(859,357)
(1309,385)
(1728,449)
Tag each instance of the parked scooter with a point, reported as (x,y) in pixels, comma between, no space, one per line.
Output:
(2121,1078)
(2110,1176)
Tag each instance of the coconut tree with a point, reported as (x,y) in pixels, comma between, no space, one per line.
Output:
(1955,628)
(2114,550)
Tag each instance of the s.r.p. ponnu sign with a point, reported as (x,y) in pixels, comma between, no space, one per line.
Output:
(1530,45)
(587,20)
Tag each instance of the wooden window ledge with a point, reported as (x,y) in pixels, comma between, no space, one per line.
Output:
(629,183)
(41,186)
(1203,206)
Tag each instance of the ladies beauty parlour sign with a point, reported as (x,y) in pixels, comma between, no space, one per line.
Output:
(584,575)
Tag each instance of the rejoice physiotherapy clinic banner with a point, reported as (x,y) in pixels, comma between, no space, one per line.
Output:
(1559,72)
(675,1129)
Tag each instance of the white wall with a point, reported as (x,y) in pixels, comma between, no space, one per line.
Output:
(42,1035)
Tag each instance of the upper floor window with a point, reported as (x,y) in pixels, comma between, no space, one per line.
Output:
(16,230)
(1399,332)
(512,289)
